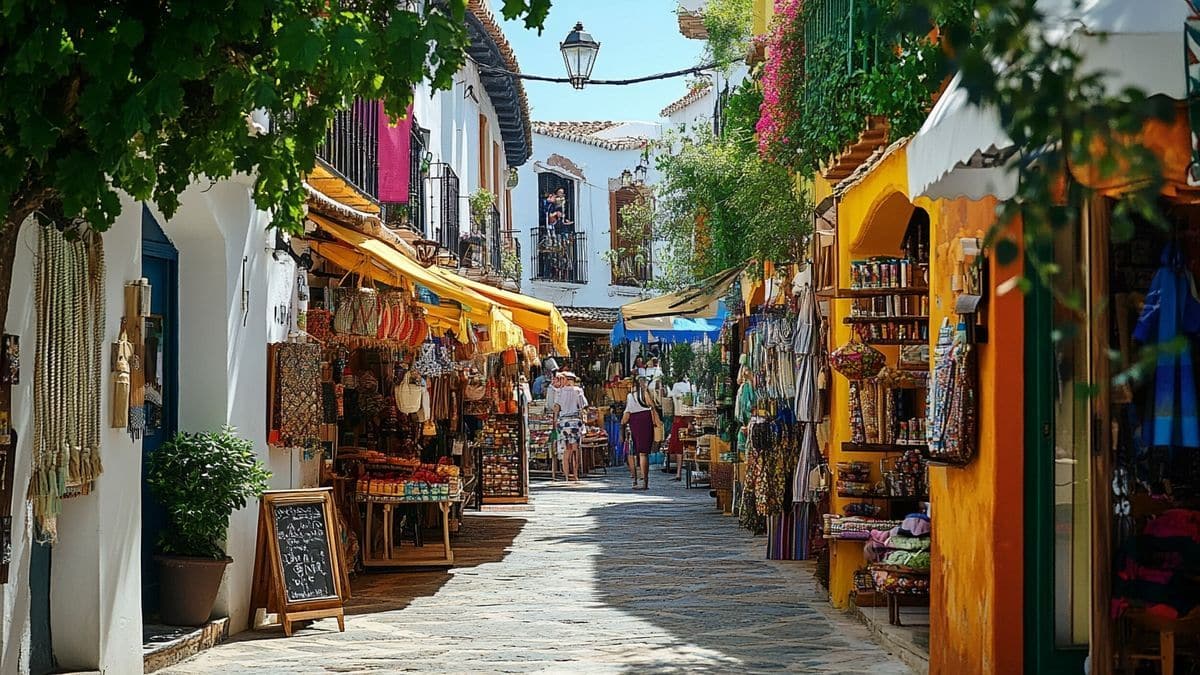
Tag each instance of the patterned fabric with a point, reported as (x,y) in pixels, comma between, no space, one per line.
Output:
(570,431)
(298,393)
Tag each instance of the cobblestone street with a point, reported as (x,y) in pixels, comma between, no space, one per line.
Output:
(592,578)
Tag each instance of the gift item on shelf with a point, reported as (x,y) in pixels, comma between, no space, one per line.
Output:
(502,468)
(858,528)
(884,272)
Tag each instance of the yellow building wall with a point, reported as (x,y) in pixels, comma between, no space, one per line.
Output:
(872,218)
(976,582)
(762,10)
(977,589)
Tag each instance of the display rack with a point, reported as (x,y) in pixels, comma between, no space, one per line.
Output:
(503,461)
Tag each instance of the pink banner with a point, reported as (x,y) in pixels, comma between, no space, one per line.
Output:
(394,144)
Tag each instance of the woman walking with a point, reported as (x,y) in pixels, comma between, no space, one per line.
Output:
(640,418)
(569,402)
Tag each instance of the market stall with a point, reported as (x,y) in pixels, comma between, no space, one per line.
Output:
(419,405)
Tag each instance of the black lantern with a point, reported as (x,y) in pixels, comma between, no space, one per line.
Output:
(427,251)
(639,173)
(626,178)
(579,54)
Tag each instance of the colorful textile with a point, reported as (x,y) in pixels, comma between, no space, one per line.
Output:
(1170,313)
(298,393)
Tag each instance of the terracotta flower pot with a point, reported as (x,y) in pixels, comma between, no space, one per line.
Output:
(188,588)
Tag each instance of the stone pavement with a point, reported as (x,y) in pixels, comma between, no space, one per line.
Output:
(592,578)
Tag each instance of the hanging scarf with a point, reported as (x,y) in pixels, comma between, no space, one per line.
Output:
(1175,423)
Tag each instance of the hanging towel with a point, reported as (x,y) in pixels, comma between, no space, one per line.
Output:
(1169,314)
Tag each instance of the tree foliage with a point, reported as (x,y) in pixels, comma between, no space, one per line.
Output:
(149,97)
(721,204)
(728,24)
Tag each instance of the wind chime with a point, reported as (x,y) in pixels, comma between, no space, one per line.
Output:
(70,306)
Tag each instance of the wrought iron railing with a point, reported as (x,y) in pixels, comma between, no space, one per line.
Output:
(558,256)
(444,198)
(845,30)
(495,243)
(351,145)
(634,270)
(412,214)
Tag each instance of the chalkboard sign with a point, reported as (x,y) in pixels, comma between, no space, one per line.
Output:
(299,573)
(303,540)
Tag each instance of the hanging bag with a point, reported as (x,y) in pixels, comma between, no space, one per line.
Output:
(408,394)
(427,363)
(857,360)
(475,390)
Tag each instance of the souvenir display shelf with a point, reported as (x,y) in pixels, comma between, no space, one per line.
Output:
(502,465)
(538,429)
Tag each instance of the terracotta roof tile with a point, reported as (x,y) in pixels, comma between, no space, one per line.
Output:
(590,317)
(689,98)
(480,10)
(584,132)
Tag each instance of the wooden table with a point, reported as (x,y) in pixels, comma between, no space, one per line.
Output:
(410,556)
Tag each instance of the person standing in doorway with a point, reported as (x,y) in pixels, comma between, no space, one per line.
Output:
(569,403)
(639,419)
(681,399)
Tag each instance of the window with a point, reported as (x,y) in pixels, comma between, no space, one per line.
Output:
(632,266)
(559,252)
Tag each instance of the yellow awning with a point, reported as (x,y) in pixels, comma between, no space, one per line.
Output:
(698,301)
(537,316)
(405,266)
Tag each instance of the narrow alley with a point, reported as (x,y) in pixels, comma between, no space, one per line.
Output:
(590,577)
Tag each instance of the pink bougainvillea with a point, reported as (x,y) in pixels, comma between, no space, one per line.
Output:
(782,81)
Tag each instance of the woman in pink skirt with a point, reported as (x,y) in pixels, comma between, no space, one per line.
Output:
(640,418)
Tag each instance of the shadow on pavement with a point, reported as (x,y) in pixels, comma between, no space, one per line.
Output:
(668,557)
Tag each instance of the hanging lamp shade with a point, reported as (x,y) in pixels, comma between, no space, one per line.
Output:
(640,172)
(579,54)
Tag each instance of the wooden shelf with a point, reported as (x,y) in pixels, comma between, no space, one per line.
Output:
(882,319)
(880,447)
(885,498)
(879,292)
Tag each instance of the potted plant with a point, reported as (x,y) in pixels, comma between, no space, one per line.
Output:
(200,480)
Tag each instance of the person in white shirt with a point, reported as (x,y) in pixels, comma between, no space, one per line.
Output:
(640,418)
(557,383)
(653,370)
(569,402)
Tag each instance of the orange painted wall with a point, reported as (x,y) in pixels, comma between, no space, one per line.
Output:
(977,593)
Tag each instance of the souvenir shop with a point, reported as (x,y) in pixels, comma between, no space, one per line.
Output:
(407,384)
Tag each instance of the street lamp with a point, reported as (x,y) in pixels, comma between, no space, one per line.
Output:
(626,178)
(639,173)
(579,54)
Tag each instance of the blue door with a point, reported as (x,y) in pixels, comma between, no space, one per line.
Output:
(160,265)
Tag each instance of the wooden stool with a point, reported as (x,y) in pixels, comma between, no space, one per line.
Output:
(1167,630)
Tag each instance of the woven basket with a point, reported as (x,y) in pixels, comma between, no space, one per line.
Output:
(619,390)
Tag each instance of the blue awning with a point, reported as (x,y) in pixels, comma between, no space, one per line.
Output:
(669,329)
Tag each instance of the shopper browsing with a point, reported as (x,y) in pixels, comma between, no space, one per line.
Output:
(569,402)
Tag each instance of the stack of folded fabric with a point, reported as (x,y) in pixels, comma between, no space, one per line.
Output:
(906,545)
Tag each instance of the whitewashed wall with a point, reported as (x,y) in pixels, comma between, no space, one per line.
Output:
(96,615)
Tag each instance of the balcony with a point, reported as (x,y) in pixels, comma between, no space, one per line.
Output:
(633,270)
(444,203)
(558,257)
(351,146)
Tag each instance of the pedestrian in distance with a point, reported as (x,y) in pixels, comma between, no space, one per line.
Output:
(569,403)
(639,420)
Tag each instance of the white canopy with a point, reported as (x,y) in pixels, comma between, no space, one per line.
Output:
(958,150)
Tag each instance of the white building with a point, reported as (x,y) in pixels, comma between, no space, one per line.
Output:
(586,160)
(218,283)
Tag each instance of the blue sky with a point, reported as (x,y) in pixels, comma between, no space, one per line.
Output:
(637,37)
